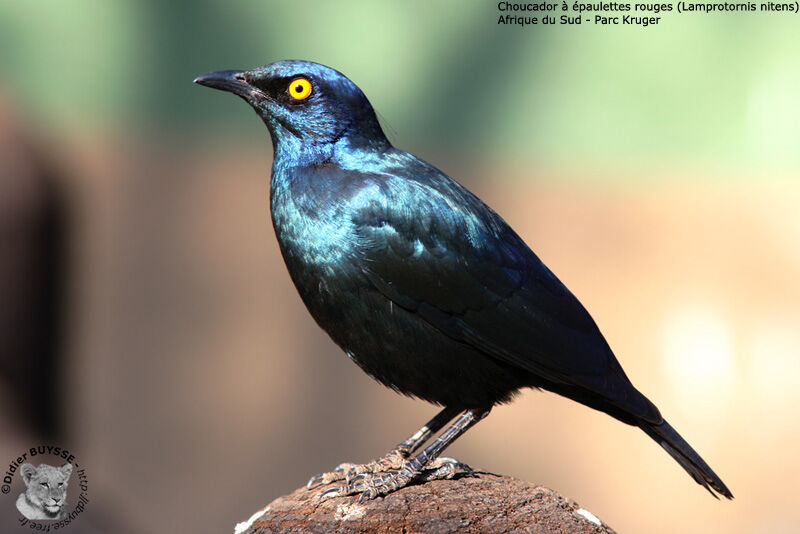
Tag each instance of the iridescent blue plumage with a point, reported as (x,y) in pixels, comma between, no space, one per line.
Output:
(425,287)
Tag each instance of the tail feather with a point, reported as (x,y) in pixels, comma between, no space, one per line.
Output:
(675,445)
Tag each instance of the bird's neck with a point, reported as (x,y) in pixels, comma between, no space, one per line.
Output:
(291,151)
(346,152)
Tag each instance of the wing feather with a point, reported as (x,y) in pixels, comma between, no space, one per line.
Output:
(462,269)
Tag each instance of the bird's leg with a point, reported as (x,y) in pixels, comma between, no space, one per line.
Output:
(371,485)
(393,460)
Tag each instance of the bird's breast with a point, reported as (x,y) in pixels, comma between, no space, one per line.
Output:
(314,235)
(317,239)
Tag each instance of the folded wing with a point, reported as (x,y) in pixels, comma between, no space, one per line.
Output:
(461,268)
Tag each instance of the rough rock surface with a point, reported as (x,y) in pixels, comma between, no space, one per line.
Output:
(480,503)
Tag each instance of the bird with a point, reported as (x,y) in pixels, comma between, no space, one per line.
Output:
(425,287)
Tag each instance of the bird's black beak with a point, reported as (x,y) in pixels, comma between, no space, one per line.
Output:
(232,81)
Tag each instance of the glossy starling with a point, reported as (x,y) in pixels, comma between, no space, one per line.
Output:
(421,284)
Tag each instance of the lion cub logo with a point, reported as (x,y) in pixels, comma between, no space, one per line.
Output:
(47,491)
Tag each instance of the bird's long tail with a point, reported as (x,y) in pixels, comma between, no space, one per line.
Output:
(685,455)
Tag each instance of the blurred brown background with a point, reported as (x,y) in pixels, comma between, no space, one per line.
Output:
(148,324)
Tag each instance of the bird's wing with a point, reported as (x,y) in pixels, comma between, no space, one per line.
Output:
(435,249)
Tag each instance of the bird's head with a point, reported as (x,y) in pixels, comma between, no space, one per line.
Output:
(303,104)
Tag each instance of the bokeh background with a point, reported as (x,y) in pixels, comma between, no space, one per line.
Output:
(148,324)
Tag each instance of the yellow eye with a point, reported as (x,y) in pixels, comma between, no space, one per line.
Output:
(299,89)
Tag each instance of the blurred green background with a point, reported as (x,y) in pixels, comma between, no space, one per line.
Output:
(698,89)
(655,170)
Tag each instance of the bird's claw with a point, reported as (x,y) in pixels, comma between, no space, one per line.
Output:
(444,468)
(370,485)
(342,472)
(347,471)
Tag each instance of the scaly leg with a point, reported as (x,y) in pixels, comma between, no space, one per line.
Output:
(371,485)
(393,460)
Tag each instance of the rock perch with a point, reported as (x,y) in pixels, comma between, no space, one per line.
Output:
(481,503)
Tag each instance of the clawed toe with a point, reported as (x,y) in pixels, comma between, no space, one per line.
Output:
(396,470)
(335,491)
(347,471)
(316,480)
(342,472)
(444,469)
(364,481)
(369,486)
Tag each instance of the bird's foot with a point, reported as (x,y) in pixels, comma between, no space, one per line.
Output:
(444,468)
(375,484)
(346,471)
